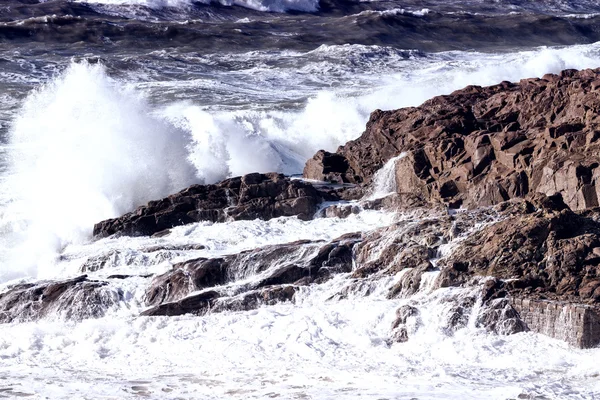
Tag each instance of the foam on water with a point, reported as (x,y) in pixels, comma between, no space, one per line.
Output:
(85,147)
(315,348)
(183,5)
(384,181)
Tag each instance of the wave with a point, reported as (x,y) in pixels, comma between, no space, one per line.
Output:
(279,6)
(86,147)
(81,149)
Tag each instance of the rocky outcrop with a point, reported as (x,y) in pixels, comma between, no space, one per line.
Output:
(77,298)
(576,324)
(521,160)
(273,269)
(482,146)
(547,254)
(251,196)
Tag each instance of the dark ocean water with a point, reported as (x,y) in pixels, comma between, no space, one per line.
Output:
(132,26)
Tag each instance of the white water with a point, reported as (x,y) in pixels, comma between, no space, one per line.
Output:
(384,181)
(315,349)
(94,147)
(259,5)
(87,146)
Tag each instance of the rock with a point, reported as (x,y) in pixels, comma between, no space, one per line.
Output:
(185,278)
(196,304)
(73,299)
(500,317)
(274,265)
(544,254)
(400,326)
(481,146)
(328,167)
(251,196)
(256,298)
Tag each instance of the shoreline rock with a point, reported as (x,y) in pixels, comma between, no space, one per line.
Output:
(251,196)
(481,146)
(521,160)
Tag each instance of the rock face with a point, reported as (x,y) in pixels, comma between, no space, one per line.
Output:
(576,324)
(546,254)
(482,146)
(251,196)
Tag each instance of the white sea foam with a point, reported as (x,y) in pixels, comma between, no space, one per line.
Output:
(384,181)
(86,147)
(314,349)
(396,11)
(259,5)
(83,149)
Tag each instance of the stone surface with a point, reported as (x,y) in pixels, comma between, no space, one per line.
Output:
(577,324)
(542,254)
(251,196)
(299,262)
(74,299)
(482,146)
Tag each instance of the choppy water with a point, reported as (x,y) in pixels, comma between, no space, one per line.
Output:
(106,105)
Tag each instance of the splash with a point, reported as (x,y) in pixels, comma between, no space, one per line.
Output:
(83,149)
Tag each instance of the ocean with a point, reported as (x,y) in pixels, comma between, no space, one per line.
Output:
(108,104)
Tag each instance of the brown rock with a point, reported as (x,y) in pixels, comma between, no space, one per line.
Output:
(251,196)
(483,146)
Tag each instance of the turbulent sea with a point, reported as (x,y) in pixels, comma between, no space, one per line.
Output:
(107,104)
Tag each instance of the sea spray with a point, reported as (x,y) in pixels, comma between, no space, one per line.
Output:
(82,149)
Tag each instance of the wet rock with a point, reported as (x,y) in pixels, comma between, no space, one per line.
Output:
(256,298)
(195,304)
(271,265)
(481,146)
(73,299)
(185,278)
(400,326)
(544,254)
(500,317)
(251,196)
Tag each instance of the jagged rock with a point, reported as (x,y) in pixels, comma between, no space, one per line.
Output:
(273,265)
(544,254)
(75,299)
(483,146)
(328,167)
(251,196)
